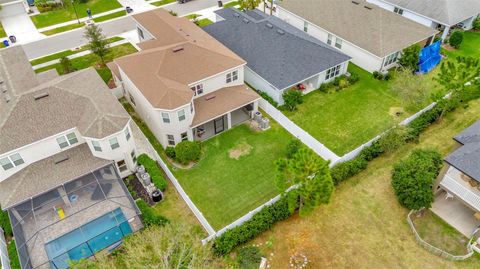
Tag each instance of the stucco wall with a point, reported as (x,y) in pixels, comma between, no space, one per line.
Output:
(407,14)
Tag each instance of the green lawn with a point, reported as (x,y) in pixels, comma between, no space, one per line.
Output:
(63,29)
(204,22)
(224,188)
(68,13)
(110,16)
(2,31)
(346,119)
(162,2)
(231,4)
(469,47)
(92,60)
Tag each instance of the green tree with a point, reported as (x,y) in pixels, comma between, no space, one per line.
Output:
(412,89)
(97,41)
(476,24)
(311,174)
(66,65)
(410,57)
(455,76)
(249,4)
(456,39)
(393,139)
(292,98)
(413,177)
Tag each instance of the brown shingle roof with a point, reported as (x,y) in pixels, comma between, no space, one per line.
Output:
(370,27)
(220,102)
(161,72)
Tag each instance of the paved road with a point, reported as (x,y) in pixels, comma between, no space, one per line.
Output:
(75,38)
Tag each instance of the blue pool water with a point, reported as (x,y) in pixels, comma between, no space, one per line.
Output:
(88,239)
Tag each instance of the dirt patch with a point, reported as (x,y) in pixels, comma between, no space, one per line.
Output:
(448,47)
(254,126)
(240,150)
(181,166)
(396,112)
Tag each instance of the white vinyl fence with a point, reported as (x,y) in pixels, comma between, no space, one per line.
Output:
(4,260)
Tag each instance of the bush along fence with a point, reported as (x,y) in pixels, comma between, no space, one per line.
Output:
(435,250)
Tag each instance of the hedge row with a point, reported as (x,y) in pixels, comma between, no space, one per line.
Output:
(150,218)
(5,223)
(260,222)
(153,170)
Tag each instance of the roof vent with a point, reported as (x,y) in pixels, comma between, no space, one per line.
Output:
(355,2)
(177,49)
(368,7)
(7,98)
(280,32)
(236,14)
(40,96)
(210,97)
(245,20)
(61,159)
(4,89)
(269,25)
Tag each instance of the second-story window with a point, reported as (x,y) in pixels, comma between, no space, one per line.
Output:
(305,26)
(67,140)
(329,39)
(165,117)
(232,76)
(11,161)
(181,115)
(114,143)
(197,89)
(96,145)
(338,43)
(127,133)
(398,10)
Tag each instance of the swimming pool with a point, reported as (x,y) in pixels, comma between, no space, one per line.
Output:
(88,239)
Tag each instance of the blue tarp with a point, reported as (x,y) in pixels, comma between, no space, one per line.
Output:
(429,57)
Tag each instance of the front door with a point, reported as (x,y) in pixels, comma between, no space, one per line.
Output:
(218,124)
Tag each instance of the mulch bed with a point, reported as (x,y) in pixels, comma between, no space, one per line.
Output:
(139,190)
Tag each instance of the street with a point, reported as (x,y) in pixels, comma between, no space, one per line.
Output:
(75,38)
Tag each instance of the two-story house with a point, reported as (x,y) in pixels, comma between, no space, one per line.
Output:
(65,144)
(184,84)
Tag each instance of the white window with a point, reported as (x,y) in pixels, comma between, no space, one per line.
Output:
(134,156)
(338,43)
(165,117)
(96,145)
(332,72)
(392,58)
(232,76)
(11,161)
(197,89)
(67,140)
(114,143)
(122,166)
(171,140)
(398,10)
(305,26)
(127,134)
(329,40)
(184,136)
(181,115)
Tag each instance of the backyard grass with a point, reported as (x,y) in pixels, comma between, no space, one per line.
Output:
(469,47)
(346,119)
(110,16)
(63,29)
(225,188)
(2,31)
(204,22)
(364,226)
(162,2)
(92,60)
(440,234)
(68,13)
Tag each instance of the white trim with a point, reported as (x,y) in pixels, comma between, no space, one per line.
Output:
(212,76)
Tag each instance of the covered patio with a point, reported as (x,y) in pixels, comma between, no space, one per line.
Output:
(221,110)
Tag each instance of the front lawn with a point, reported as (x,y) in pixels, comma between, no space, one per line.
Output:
(63,28)
(469,47)
(204,22)
(346,119)
(2,31)
(225,188)
(162,2)
(110,16)
(68,13)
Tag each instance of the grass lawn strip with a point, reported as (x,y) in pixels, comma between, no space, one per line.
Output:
(2,31)
(110,16)
(236,173)
(63,29)
(232,4)
(364,219)
(68,13)
(163,2)
(204,22)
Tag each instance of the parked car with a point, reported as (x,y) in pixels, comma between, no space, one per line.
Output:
(183,1)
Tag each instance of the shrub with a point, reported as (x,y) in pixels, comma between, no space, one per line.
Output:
(410,57)
(5,223)
(292,98)
(456,39)
(249,257)
(260,222)
(371,152)
(267,97)
(392,139)
(292,147)
(353,78)
(347,169)
(413,177)
(153,170)
(170,152)
(380,76)
(150,218)
(476,24)
(387,76)
(377,75)
(187,151)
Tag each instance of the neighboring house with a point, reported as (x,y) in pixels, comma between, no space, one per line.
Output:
(437,14)
(461,177)
(279,56)
(65,145)
(184,84)
(372,36)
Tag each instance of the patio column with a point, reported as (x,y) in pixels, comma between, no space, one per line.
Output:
(445,32)
(229,120)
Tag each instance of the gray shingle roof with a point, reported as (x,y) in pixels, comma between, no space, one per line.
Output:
(80,100)
(283,59)
(448,12)
(467,157)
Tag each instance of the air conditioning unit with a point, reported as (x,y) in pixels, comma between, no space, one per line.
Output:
(265,123)
(141,169)
(146,180)
(257,116)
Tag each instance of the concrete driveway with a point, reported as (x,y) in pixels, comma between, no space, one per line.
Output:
(22,27)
